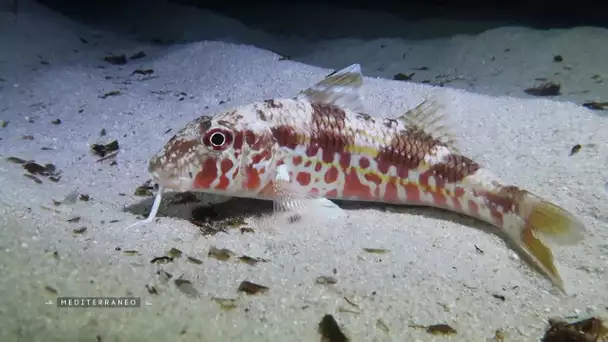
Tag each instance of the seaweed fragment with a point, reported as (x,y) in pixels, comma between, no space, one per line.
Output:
(144,190)
(51,289)
(587,330)
(252,288)
(544,89)
(499,296)
(403,77)
(186,287)
(151,289)
(251,261)
(138,55)
(74,219)
(436,329)
(104,149)
(16,160)
(221,254)
(144,72)
(194,260)
(596,105)
(116,59)
(330,330)
(376,250)
(226,304)
(161,260)
(79,231)
(575,149)
(326,280)
(34,178)
(110,93)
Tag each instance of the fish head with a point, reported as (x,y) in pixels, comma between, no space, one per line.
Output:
(218,154)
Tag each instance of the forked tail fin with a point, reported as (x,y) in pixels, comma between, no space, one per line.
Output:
(545,221)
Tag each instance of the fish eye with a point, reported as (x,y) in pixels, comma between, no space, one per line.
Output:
(218,139)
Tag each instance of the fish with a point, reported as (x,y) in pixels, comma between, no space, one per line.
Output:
(302,152)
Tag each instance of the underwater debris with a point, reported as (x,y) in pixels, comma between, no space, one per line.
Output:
(174,253)
(51,289)
(56,122)
(222,254)
(436,329)
(145,189)
(544,89)
(151,289)
(116,59)
(84,197)
(186,287)
(16,160)
(194,260)
(110,93)
(161,260)
(587,330)
(48,170)
(131,252)
(376,250)
(246,230)
(330,330)
(79,231)
(138,55)
(326,280)
(226,304)
(499,296)
(596,105)
(575,149)
(144,72)
(251,261)
(74,219)
(558,58)
(479,250)
(252,288)
(27,137)
(403,77)
(104,149)
(34,178)
(380,324)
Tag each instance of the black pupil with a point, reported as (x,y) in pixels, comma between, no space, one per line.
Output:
(217,139)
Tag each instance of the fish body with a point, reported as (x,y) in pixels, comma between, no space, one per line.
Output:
(322,145)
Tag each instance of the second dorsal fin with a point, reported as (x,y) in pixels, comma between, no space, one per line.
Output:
(341,88)
(430,117)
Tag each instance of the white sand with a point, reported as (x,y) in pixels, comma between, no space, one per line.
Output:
(432,273)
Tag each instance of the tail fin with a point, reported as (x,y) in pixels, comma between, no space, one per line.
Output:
(546,221)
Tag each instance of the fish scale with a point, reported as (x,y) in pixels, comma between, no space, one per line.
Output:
(300,152)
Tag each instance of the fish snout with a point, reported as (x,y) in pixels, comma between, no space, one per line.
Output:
(162,175)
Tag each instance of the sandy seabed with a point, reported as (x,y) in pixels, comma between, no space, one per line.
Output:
(439,267)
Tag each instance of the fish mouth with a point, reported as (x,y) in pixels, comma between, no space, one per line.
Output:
(178,184)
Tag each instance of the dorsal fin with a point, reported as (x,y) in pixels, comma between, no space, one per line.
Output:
(429,116)
(341,88)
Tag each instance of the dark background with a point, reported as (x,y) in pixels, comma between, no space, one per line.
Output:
(533,13)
